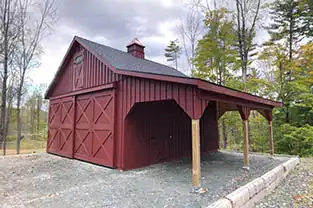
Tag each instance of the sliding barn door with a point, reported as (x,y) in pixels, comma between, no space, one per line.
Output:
(94,126)
(60,126)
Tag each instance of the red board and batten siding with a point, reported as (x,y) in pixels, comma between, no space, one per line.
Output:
(161,131)
(131,90)
(82,125)
(95,73)
(80,139)
(154,132)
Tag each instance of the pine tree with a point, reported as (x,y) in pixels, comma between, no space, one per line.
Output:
(288,30)
(306,6)
(173,52)
(287,17)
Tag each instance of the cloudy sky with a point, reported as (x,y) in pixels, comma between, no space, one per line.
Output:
(114,23)
(111,22)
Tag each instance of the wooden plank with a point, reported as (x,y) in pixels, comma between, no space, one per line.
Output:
(74,126)
(85,91)
(270,137)
(196,172)
(246,144)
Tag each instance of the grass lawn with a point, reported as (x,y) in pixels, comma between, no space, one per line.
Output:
(27,146)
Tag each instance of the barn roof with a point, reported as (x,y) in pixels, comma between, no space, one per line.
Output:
(126,62)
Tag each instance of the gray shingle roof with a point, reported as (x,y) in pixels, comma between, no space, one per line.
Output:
(126,62)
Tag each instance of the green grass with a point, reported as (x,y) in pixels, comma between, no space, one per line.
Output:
(27,146)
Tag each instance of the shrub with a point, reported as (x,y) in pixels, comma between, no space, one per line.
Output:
(295,140)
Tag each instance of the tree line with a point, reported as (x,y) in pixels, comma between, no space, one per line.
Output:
(223,42)
(23,26)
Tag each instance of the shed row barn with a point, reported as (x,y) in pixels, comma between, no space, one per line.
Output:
(120,110)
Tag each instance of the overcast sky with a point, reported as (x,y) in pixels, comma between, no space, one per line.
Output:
(114,23)
(111,22)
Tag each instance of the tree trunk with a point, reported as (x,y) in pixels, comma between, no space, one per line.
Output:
(291,31)
(7,123)
(19,123)
(4,96)
(32,120)
(224,133)
(38,113)
(287,119)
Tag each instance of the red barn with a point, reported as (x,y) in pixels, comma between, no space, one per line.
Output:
(123,111)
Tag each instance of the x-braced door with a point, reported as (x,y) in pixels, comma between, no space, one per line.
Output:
(60,130)
(94,128)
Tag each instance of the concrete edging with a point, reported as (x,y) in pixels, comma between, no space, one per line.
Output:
(254,191)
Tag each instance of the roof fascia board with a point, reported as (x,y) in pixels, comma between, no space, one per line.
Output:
(233,93)
(235,101)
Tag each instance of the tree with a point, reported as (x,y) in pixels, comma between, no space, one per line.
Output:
(306,7)
(279,59)
(216,56)
(247,13)
(287,28)
(173,52)
(11,94)
(303,77)
(9,32)
(190,31)
(33,30)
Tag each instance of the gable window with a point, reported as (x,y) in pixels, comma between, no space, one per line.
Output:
(78,71)
(79,59)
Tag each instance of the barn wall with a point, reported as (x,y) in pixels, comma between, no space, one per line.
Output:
(131,90)
(88,74)
(161,131)
(156,131)
(209,136)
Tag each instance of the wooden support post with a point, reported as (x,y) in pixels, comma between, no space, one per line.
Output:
(196,172)
(270,137)
(246,144)
(244,113)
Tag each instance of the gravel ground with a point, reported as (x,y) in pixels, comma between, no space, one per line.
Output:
(44,180)
(295,191)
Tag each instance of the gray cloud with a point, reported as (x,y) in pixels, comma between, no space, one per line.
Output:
(118,21)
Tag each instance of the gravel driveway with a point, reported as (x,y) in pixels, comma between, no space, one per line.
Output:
(44,180)
(295,191)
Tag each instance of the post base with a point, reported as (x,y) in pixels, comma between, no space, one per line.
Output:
(246,167)
(199,190)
